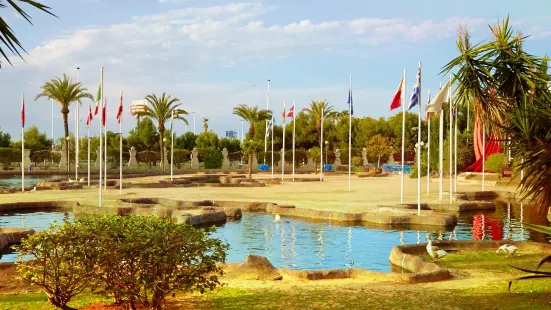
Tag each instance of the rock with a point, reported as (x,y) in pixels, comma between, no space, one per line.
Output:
(256,267)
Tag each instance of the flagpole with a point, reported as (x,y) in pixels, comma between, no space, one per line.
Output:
(351,113)
(272,147)
(455,151)
(484,157)
(321,144)
(120,147)
(468,115)
(53,137)
(428,150)
(77,132)
(283,150)
(267,108)
(101,139)
(419,148)
(403,138)
(171,147)
(22,142)
(441,150)
(450,144)
(105,149)
(89,123)
(294,129)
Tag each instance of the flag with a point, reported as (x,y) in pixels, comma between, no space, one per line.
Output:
(22,111)
(350,104)
(98,99)
(268,128)
(104,114)
(396,101)
(119,113)
(427,115)
(291,112)
(416,91)
(90,116)
(436,103)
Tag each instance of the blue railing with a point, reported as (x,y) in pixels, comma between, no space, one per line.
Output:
(327,167)
(263,167)
(396,168)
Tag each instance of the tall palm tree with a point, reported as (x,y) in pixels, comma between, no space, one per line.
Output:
(317,110)
(205,124)
(160,110)
(7,36)
(64,91)
(252,115)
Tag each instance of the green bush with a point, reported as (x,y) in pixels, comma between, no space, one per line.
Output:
(181,156)
(211,158)
(357,161)
(9,156)
(495,162)
(135,266)
(148,157)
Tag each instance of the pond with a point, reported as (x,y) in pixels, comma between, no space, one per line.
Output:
(313,245)
(15,182)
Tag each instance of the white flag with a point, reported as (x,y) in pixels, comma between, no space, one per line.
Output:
(436,103)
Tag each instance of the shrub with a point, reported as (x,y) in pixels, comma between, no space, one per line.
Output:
(8,156)
(235,156)
(495,162)
(357,161)
(148,157)
(211,158)
(181,156)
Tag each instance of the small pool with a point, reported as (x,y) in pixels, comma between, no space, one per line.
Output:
(15,182)
(313,245)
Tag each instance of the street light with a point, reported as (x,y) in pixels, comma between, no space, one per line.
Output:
(326,147)
(68,153)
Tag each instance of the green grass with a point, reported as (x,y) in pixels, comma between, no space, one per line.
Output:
(38,301)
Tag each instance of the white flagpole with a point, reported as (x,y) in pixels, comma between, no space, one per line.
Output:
(120,150)
(53,137)
(403,137)
(105,149)
(428,151)
(350,137)
(76,140)
(272,147)
(450,140)
(22,144)
(441,151)
(171,147)
(283,150)
(267,108)
(101,141)
(468,115)
(77,132)
(321,145)
(455,152)
(89,123)
(419,148)
(294,129)
(484,156)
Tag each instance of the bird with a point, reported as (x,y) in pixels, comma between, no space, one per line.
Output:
(34,189)
(82,180)
(434,251)
(509,249)
(277,218)
(70,181)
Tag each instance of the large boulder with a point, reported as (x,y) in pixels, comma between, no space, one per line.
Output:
(255,267)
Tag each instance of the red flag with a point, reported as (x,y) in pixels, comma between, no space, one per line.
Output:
(119,113)
(90,117)
(396,101)
(427,117)
(22,111)
(291,112)
(104,113)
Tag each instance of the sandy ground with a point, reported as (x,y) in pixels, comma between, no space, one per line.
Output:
(331,194)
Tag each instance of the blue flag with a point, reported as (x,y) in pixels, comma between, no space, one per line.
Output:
(268,128)
(416,91)
(350,103)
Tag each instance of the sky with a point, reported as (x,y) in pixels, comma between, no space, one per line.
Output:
(214,55)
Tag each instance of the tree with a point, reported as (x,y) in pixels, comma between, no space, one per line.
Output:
(186,141)
(64,92)
(7,36)
(205,124)
(160,109)
(5,139)
(207,139)
(249,148)
(377,147)
(252,115)
(144,136)
(36,140)
(232,145)
(320,110)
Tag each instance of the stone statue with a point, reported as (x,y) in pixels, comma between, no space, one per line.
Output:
(27,159)
(194,158)
(255,162)
(337,163)
(132,162)
(165,159)
(63,161)
(225,161)
(364,157)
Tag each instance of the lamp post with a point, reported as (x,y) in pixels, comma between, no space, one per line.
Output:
(326,148)
(194,123)
(68,153)
(163,154)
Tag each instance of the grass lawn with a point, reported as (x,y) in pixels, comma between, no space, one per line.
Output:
(480,281)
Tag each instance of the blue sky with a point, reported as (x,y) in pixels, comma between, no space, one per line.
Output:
(214,55)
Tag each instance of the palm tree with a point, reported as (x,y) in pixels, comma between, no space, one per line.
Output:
(65,92)
(252,115)
(7,37)
(317,110)
(205,124)
(160,110)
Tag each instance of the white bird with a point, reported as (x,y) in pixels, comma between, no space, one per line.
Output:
(434,251)
(82,180)
(34,189)
(277,218)
(70,181)
(509,249)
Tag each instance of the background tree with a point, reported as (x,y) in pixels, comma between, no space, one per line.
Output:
(144,136)
(160,109)
(7,36)
(64,92)
(207,139)
(249,148)
(252,115)
(5,139)
(377,147)
(36,140)
(186,141)
(317,110)
(232,145)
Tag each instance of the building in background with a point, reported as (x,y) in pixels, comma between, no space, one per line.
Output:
(231,134)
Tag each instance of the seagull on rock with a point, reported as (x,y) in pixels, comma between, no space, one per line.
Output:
(509,249)
(434,251)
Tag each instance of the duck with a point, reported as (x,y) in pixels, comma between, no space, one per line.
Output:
(70,181)
(509,249)
(434,251)
(277,218)
(34,189)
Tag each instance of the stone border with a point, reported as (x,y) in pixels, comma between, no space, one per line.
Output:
(10,236)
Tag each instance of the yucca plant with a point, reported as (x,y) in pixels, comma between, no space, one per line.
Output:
(536,273)
(7,36)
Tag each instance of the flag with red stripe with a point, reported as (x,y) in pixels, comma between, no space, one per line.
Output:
(119,112)
(22,111)
(90,116)
(98,99)
(104,113)
(396,100)
(291,112)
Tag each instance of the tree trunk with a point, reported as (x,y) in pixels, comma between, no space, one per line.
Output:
(379,161)
(162,144)
(250,164)
(59,303)
(66,129)
(251,131)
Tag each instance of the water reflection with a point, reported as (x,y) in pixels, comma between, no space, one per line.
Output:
(15,182)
